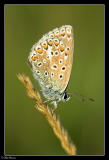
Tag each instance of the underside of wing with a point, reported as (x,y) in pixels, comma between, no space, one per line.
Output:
(63,59)
(52,57)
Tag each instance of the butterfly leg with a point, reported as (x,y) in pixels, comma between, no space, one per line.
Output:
(47,101)
(55,104)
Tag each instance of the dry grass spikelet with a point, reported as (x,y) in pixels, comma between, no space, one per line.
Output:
(50,115)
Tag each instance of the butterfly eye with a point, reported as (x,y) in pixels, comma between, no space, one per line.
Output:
(66,97)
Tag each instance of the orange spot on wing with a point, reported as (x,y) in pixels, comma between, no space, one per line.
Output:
(62,34)
(45,46)
(57,35)
(33,58)
(61,48)
(39,50)
(56,43)
(68,34)
(50,43)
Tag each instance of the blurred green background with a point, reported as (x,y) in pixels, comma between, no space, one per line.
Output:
(26,130)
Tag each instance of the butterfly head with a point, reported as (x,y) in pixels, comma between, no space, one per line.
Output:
(65,97)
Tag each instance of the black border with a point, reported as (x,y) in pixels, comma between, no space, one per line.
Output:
(2,88)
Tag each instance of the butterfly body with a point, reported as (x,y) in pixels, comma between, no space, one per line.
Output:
(51,62)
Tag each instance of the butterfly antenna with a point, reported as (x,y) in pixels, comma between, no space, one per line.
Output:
(82,97)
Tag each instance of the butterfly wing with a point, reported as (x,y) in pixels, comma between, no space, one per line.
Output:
(64,59)
(40,65)
(51,59)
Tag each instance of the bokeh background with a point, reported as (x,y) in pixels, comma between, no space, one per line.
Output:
(26,130)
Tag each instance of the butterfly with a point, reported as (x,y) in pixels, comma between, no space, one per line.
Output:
(51,61)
